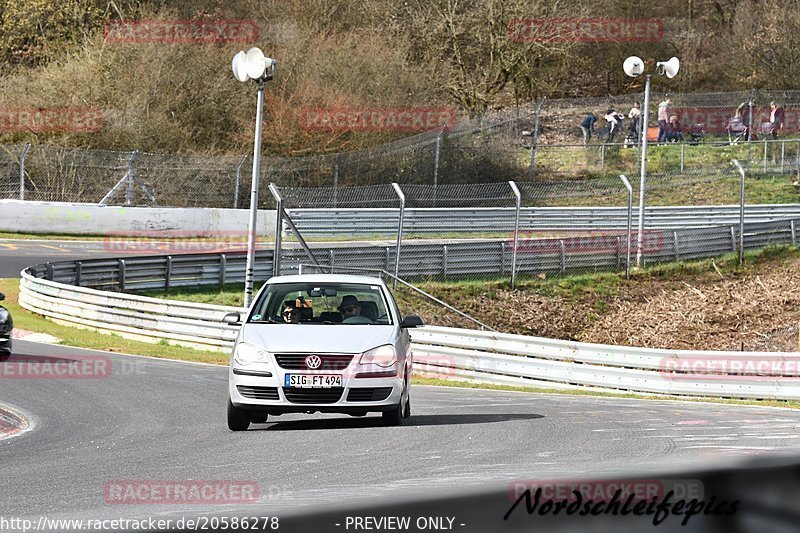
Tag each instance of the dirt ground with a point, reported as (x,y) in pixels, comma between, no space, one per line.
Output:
(708,306)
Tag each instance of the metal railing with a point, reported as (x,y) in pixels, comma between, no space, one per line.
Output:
(448,353)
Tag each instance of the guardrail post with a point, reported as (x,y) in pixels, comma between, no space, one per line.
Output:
(168,273)
(502,258)
(517,207)
(683,146)
(618,251)
(331,258)
(791,225)
(223,265)
(628,187)
(386,258)
(121,274)
(78,268)
(238,178)
(766,143)
(563,256)
(733,239)
(675,245)
(402,198)
(602,156)
(48,268)
(22,170)
(741,210)
(444,260)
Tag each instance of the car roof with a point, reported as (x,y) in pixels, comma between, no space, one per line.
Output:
(327,278)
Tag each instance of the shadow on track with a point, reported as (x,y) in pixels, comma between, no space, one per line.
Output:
(375,421)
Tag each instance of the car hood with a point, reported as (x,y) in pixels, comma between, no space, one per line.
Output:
(329,338)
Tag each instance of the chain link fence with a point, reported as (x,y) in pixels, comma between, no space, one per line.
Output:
(537,142)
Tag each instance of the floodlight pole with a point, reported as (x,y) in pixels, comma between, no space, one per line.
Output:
(251,230)
(643,176)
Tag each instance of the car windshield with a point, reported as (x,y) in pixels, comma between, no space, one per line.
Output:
(321,303)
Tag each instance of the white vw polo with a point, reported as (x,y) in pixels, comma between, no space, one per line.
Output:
(320,343)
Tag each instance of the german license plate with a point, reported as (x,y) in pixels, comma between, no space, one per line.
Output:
(313,381)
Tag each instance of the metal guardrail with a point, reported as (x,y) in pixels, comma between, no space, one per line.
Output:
(430,221)
(445,260)
(449,353)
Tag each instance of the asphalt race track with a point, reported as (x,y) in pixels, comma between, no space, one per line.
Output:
(147,419)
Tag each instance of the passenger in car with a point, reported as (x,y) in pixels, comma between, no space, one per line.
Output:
(350,306)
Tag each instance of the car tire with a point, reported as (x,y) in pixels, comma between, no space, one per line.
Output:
(5,356)
(259,418)
(238,419)
(394,417)
(407,409)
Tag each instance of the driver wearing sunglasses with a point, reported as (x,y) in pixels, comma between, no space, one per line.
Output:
(290,314)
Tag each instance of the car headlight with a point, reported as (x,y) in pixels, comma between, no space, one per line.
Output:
(248,353)
(3,316)
(382,356)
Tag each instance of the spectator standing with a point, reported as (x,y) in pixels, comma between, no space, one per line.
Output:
(635,116)
(663,119)
(587,126)
(614,119)
(777,117)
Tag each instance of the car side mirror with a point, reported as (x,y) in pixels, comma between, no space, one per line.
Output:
(2,296)
(233,319)
(412,321)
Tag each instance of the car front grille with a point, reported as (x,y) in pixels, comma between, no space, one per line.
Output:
(298,395)
(258,393)
(297,361)
(369,394)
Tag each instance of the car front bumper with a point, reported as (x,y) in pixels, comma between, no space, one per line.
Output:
(250,389)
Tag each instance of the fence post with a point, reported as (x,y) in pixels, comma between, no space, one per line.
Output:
(783,154)
(238,177)
(436,164)
(335,181)
(517,207)
(535,136)
(683,146)
(276,258)
(627,185)
(223,266)
(741,211)
(750,126)
(766,143)
(402,198)
(22,171)
(129,176)
(602,156)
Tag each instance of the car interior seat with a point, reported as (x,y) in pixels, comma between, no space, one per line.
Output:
(369,310)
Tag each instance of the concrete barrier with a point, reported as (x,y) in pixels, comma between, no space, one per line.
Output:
(88,219)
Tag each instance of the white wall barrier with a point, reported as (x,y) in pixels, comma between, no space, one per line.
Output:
(450,353)
(86,219)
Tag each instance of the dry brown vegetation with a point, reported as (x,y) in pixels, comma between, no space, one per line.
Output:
(182,98)
(711,305)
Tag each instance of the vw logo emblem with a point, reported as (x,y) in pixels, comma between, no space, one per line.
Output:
(313,362)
